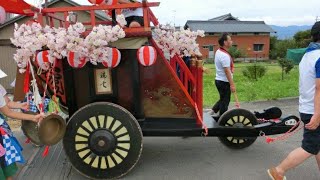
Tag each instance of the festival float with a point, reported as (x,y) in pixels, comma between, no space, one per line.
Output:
(118,85)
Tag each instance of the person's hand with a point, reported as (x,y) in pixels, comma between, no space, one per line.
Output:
(38,118)
(314,122)
(233,88)
(24,106)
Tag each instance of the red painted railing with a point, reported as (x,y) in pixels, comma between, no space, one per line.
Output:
(148,16)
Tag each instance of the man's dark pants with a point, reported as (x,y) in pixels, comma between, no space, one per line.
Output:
(225,93)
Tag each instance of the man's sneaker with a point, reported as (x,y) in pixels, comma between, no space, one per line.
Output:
(212,113)
(274,175)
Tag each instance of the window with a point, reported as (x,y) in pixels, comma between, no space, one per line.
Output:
(256,33)
(210,34)
(258,47)
(209,47)
(234,34)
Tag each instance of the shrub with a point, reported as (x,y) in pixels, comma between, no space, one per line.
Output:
(254,72)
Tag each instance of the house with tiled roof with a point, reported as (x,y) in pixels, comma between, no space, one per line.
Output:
(251,37)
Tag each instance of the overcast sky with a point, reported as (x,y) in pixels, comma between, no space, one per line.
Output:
(273,12)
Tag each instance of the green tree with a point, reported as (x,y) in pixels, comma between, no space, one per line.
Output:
(303,38)
(286,66)
(273,43)
(235,52)
(283,45)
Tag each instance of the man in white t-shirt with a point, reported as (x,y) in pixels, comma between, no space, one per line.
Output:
(224,74)
(134,16)
(309,108)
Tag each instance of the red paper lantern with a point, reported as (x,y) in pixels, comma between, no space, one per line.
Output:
(44,60)
(114,58)
(75,61)
(147,55)
(2,15)
(96,2)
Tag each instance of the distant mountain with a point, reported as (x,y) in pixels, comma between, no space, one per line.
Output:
(287,32)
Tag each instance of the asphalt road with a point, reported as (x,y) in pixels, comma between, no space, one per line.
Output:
(206,158)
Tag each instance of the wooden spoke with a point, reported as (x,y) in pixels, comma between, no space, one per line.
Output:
(233,120)
(86,129)
(121,131)
(83,149)
(121,135)
(81,142)
(94,158)
(91,124)
(116,125)
(82,135)
(104,164)
(111,162)
(109,121)
(230,122)
(81,139)
(122,156)
(99,162)
(100,121)
(122,153)
(116,158)
(123,142)
(87,126)
(85,153)
(124,148)
(124,138)
(111,125)
(83,131)
(115,131)
(246,124)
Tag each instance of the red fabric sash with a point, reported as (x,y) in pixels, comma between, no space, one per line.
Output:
(231,59)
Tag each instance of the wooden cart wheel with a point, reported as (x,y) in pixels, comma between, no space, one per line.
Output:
(103,141)
(238,118)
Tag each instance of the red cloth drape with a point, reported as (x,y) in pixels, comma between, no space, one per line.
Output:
(17,7)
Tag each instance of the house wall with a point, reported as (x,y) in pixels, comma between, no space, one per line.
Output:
(244,42)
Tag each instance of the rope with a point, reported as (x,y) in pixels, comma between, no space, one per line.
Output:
(236,99)
(206,132)
(54,97)
(54,87)
(37,97)
(285,136)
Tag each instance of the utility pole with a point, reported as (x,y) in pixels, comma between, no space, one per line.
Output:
(45,6)
(317,18)
(174,19)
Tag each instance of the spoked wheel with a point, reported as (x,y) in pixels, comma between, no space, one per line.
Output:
(238,118)
(103,141)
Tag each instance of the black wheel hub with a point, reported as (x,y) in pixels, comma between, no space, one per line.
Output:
(102,142)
